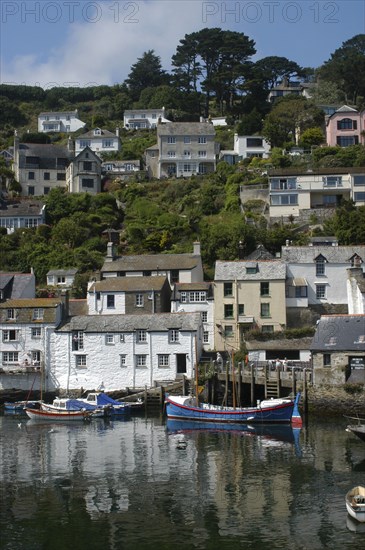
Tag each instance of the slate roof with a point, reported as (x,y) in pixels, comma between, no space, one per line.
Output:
(266,270)
(186,128)
(47,155)
(339,333)
(13,284)
(77,307)
(62,272)
(25,309)
(333,254)
(91,134)
(21,208)
(285,344)
(260,254)
(129,323)
(128,284)
(152,262)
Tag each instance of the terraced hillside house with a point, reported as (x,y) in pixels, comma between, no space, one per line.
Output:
(145,119)
(294,192)
(59,121)
(40,167)
(183,149)
(345,127)
(178,268)
(248,295)
(99,141)
(129,295)
(18,213)
(83,174)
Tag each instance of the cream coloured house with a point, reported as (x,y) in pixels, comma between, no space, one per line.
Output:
(248,295)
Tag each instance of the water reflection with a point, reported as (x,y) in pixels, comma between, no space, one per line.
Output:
(127,484)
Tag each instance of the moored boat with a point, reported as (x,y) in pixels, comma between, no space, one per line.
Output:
(271,410)
(355,503)
(66,404)
(100,400)
(357,429)
(19,406)
(56,416)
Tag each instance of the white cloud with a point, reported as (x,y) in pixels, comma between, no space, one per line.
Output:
(103,52)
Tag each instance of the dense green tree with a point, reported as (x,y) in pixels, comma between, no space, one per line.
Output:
(347,224)
(214,61)
(289,117)
(312,136)
(274,69)
(346,68)
(147,72)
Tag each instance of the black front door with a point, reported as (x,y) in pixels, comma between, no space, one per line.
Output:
(181,363)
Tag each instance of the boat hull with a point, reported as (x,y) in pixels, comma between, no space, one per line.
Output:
(274,411)
(355,503)
(359,431)
(56,416)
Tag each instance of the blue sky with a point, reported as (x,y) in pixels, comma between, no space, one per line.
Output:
(85,42)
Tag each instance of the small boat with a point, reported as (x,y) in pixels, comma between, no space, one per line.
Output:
(66,404)
(18,406)
(355,503)
(275,411)
(357,429)
(56,416)
(100,400)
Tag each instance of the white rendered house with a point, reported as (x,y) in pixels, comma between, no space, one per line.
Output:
(99,141)
(54,121)
(135,119)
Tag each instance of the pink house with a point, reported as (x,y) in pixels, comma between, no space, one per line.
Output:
(345,127)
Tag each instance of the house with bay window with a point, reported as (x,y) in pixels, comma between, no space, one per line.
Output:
(248,295)
(183,149)
(292,192)
(83,175)
(345,127)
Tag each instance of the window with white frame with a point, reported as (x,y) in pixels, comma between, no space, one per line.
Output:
(123,360)
(204,316)
(171,139)
(202,154)
(206,337)
(121,338)
(202,139)
(187,139)
(141,335)
(77,340)
(10,357)
(108,143)
(187,154)
(36,332)
(320,292)
(265,310)
(228,331)
(197,296)
(139,300)
(81,361)
(109,339)
(163,361)
(141,360)
(320,265)
(36,358)
(183,297)
(10,314)
(359,179)
(38,313)
(173,335)
(10,335)
(171,154)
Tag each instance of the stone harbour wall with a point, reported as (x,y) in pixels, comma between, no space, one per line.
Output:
(348,399)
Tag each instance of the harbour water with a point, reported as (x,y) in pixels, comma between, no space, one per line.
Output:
(131,484)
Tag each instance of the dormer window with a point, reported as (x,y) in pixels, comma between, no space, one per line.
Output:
(97,132)
(38,313)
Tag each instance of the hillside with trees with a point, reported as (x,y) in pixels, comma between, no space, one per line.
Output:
(213,74)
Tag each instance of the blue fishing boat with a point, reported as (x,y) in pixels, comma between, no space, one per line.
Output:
(275,411)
